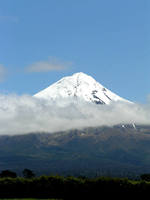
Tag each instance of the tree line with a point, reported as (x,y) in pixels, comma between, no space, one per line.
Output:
(27,173)
(60,187)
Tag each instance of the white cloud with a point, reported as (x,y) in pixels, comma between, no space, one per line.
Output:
(46,66)
(3,72)
(25,114)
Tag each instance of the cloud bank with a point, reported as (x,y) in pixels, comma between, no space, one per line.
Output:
(26,114)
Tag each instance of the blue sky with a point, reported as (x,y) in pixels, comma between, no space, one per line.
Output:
(44,40)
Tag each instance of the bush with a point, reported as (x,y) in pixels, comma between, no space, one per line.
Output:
(27,173)
(8,173)
(145,177)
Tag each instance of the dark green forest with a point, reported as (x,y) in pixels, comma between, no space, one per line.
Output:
(60,187)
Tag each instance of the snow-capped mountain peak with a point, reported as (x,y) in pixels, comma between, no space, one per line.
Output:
(79,86)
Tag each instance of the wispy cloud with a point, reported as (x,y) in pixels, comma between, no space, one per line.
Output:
(52,64)
(3,72)
(12,19)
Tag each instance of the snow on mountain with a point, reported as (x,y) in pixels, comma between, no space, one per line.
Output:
(79,86)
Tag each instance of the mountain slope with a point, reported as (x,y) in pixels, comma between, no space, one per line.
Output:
(79,86)
(115,150)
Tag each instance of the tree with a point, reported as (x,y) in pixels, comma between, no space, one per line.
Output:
(27,173)
(145,177)
(8,173)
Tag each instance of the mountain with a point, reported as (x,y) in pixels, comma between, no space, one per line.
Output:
(118,151)
(101,150)
(79,86)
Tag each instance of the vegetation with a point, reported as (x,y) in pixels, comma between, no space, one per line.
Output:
(145,177)
(8,173)
(27,173)
(60,187)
